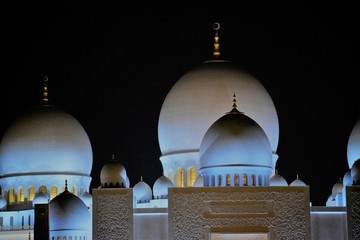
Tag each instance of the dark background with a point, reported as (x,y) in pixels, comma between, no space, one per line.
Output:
(111,67)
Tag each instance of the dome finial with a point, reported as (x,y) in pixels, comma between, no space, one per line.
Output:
(66,185)
(45,93)
(141,179)
(234,106)
(29,238)
(216,53)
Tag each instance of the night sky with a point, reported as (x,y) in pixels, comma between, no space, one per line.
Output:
(111,67)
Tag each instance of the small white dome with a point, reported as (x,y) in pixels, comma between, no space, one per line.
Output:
(353,147)
(337,188)
(297,183)
(161,185)
(40,198)
(235,140)
(277,180)
(142,192)
(3,202)
(86,198)
(113,174)
(199,181)
(68,211)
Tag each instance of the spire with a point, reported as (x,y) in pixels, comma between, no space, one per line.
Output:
(141,179)
(66,185)
(234,107)
(216,53)
(45,93)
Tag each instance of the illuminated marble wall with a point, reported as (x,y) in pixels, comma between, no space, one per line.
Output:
(269,212)
(353,211)
(112,213)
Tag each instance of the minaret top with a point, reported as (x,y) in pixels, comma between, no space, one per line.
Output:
(216,53)
(45,92)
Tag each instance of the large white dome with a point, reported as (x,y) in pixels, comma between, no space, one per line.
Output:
(235,141)
(353,148)
(198,99)
(45,140)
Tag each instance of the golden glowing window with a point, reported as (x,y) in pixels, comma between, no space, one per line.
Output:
(228,180)
(191,176)
(245,182)
(31,193)
(236,180)
(53,192)
(20,196)
(171,175)
(11,196)
(73,190)
(179,177)
(42,189)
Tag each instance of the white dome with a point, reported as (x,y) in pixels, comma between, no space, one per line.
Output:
(112,174)
(69,212)
(337,188)
(191,107)
(45,140)
(161,185)
(235,140)
(297,183)
(199,181)
(41,198)
(277,180)
(3,202)
(142,192)
(353,147)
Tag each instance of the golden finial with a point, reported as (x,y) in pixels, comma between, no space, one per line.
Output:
(234,106)
(29,238)
(45,93)
(234,101)
(216,27)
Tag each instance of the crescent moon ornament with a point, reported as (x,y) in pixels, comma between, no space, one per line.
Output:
(216,26)
(45,78)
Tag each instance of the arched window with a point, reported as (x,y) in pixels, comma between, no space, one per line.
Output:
(253,183)
(73,190)
(31,193)
(1,223)
(29,220)
(22,222)
(20,196)
(53,192)
(244,178)
(43,189)
(179,177)
(228,180)
(220,180)
(11,222)
(191,176)
(212,183)
(11,196)
(260,181)
(236,180)
(171,175)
